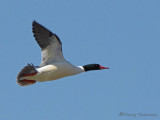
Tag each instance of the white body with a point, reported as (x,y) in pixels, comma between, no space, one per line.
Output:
(56,71)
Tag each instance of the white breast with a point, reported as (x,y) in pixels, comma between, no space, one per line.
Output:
(56,71)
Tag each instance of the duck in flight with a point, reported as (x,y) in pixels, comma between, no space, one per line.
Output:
(53,65)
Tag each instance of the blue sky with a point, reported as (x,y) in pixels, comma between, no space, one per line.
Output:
(121,34)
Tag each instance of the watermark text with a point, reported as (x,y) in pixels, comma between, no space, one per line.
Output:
(124,114)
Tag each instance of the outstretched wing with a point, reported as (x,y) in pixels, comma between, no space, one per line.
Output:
(51,46)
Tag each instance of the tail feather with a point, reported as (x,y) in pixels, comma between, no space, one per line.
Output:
(26,71)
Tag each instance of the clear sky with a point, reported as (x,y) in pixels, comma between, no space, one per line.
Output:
(121,34)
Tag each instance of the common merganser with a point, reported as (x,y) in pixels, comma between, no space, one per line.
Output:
(53,65)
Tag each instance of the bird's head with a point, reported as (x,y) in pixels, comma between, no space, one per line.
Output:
(94,67)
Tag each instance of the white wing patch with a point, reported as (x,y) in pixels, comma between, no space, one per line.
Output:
(52,53)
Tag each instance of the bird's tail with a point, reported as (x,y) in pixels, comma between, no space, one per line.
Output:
(28,70)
